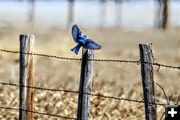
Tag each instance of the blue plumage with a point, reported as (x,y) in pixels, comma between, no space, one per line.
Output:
(82,40)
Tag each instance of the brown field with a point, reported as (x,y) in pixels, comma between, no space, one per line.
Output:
(113,79)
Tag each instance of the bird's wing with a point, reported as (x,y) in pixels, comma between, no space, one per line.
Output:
(92,45)
(75,33)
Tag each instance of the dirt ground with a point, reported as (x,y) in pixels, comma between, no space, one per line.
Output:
(114,79)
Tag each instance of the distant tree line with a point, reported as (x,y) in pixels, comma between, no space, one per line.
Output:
(161,18)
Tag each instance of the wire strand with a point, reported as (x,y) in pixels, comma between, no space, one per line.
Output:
(77,92)
(41,113)
(98,60)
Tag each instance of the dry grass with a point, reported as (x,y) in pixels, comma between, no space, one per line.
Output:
(113,79)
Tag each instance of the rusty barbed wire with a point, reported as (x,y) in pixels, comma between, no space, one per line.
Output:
(39,54)
(77,92)
(39,88)
(98,60)
(41,113)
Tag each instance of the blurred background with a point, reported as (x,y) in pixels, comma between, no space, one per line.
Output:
(127,22)
(118,25)
(91,13)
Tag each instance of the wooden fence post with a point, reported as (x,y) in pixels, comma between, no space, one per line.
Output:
(85,84)
(26,77)
(146,58)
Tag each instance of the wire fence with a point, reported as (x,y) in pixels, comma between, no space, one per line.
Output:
(98,60)
(69,91)
(41,113)
(77,92)
(99,95)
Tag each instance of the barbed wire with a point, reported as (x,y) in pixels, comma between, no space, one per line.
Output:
(77,92)
(41,113)
(98,60)
(42,55)
(39,88)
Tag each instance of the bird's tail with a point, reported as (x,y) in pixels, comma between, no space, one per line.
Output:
(76,49)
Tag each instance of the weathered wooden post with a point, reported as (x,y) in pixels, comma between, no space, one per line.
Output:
(146,59)
(85,84)
(26,77)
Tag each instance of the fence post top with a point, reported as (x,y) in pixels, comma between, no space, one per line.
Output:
(25,36)
(149,44)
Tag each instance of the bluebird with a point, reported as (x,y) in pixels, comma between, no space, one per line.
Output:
(82,41)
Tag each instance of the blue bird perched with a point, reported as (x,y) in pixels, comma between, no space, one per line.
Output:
(82,41)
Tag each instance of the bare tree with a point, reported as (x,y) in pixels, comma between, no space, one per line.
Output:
(103,13)
(70,13)
(118,11)
(165,14)
(161,19)
(31,12)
